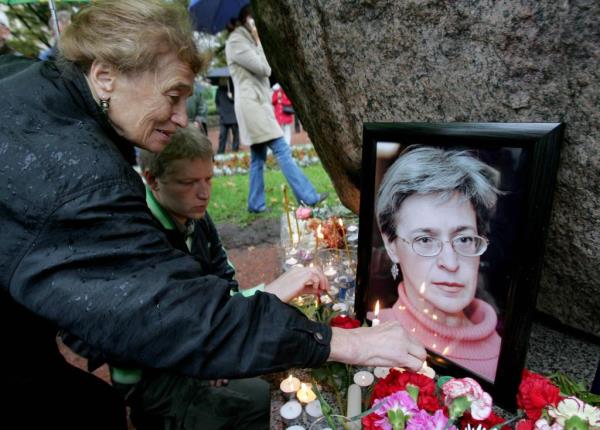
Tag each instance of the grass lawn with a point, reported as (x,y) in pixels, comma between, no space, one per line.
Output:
(230,193)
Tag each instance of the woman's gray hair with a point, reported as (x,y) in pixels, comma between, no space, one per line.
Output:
(428,170)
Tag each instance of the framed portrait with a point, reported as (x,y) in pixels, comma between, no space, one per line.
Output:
(453,221)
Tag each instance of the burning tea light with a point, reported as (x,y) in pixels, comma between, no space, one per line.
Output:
(375,321)
(329,271)
(381,372)
(291,410)
(363,378)
(305,394)
(289,386)
(427,371)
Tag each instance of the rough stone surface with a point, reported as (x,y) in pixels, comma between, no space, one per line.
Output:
(344,62)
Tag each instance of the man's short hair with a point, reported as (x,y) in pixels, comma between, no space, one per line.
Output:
(186,144)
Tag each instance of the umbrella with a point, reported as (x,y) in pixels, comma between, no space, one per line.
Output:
(216,73)
(212,16)
(51,4)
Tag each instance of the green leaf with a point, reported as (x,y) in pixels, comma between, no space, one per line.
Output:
(458,407)
(413,391)
(576,423)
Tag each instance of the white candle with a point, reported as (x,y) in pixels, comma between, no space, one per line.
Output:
(363,378)
(427,371)
(291,261)
(295,428)
(354,401)
(305,394)
(313,410)
(375,321)
(291,410)
(289,386)
(329,271)
(381,372)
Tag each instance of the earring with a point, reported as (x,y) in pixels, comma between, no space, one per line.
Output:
(104,105)
(394,271)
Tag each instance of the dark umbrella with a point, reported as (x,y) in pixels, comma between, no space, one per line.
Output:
(212,16)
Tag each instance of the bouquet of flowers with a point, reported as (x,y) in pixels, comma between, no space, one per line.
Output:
(406,400)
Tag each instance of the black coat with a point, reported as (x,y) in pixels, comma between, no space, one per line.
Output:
(79,250)
(225,106)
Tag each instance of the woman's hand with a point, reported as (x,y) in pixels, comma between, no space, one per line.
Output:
(298,281)
(251,26)
(387,345)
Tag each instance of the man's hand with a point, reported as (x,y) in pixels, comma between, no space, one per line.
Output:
(387,345)
(218,382)
(298,281)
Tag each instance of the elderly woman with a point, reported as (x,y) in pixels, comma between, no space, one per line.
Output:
(433,206)
(80,251)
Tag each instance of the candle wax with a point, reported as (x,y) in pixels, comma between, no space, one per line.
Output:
(363,378)
(290,384)
(314,409)
(291,410)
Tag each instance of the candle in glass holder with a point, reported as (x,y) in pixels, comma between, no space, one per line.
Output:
(363,378)
(313,410)
(289,386)
(305,394)
(290,411)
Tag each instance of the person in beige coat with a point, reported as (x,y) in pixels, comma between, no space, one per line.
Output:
(250,72)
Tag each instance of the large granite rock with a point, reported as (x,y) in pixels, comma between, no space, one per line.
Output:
(344,62)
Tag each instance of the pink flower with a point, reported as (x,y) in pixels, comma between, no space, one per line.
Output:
(399,401)
(303,212)
(423,421)
(543,424)
(481,402)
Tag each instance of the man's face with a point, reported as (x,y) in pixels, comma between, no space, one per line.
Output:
(184,190)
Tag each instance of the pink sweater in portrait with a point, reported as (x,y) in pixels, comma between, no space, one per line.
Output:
(475,347)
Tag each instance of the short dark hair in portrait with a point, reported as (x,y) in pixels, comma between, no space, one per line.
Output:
(451,239)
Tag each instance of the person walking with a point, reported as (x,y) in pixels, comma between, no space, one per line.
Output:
(284,112)
(250,72)
(227,119)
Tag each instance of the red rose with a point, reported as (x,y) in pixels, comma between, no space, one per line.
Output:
(525,425)
(535,393)
(488,423)
(343,321)
(397,381)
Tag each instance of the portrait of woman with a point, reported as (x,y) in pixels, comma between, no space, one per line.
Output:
(433,209)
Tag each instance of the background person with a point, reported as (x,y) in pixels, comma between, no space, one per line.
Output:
(433,208)
(64,19)
(284,112)
(82,253)
(227,119)
(197,109)
(250,72)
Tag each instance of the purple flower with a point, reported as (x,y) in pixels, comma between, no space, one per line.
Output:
(399,401)
(423,421)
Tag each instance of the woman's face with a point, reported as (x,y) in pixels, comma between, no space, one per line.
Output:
(445,283)
(146,108)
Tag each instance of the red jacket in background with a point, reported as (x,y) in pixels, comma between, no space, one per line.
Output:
(280,99)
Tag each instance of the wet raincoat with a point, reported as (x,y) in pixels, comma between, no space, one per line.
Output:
(79,250)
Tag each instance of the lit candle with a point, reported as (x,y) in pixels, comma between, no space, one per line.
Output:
(318,236)
(375,321)
(427,371)
(305,394)
(341,222)
(290,410)
(363,378)
(291,261)
(298,234)
(313,410)
(289,386)
(354,400)
(381,372)
(329,271)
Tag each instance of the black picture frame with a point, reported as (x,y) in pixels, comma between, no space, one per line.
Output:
(527,156)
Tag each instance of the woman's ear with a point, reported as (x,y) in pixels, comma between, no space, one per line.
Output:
(390,248)
(102,77)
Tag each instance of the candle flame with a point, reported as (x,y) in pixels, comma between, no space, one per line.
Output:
(376,313)
(446,350)
(319,232)
(290,378)
(303,386)
(340,222)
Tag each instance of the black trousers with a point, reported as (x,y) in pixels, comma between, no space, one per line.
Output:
(223,134)
(65,398)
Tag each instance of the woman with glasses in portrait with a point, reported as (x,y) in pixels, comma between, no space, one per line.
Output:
(433,208)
